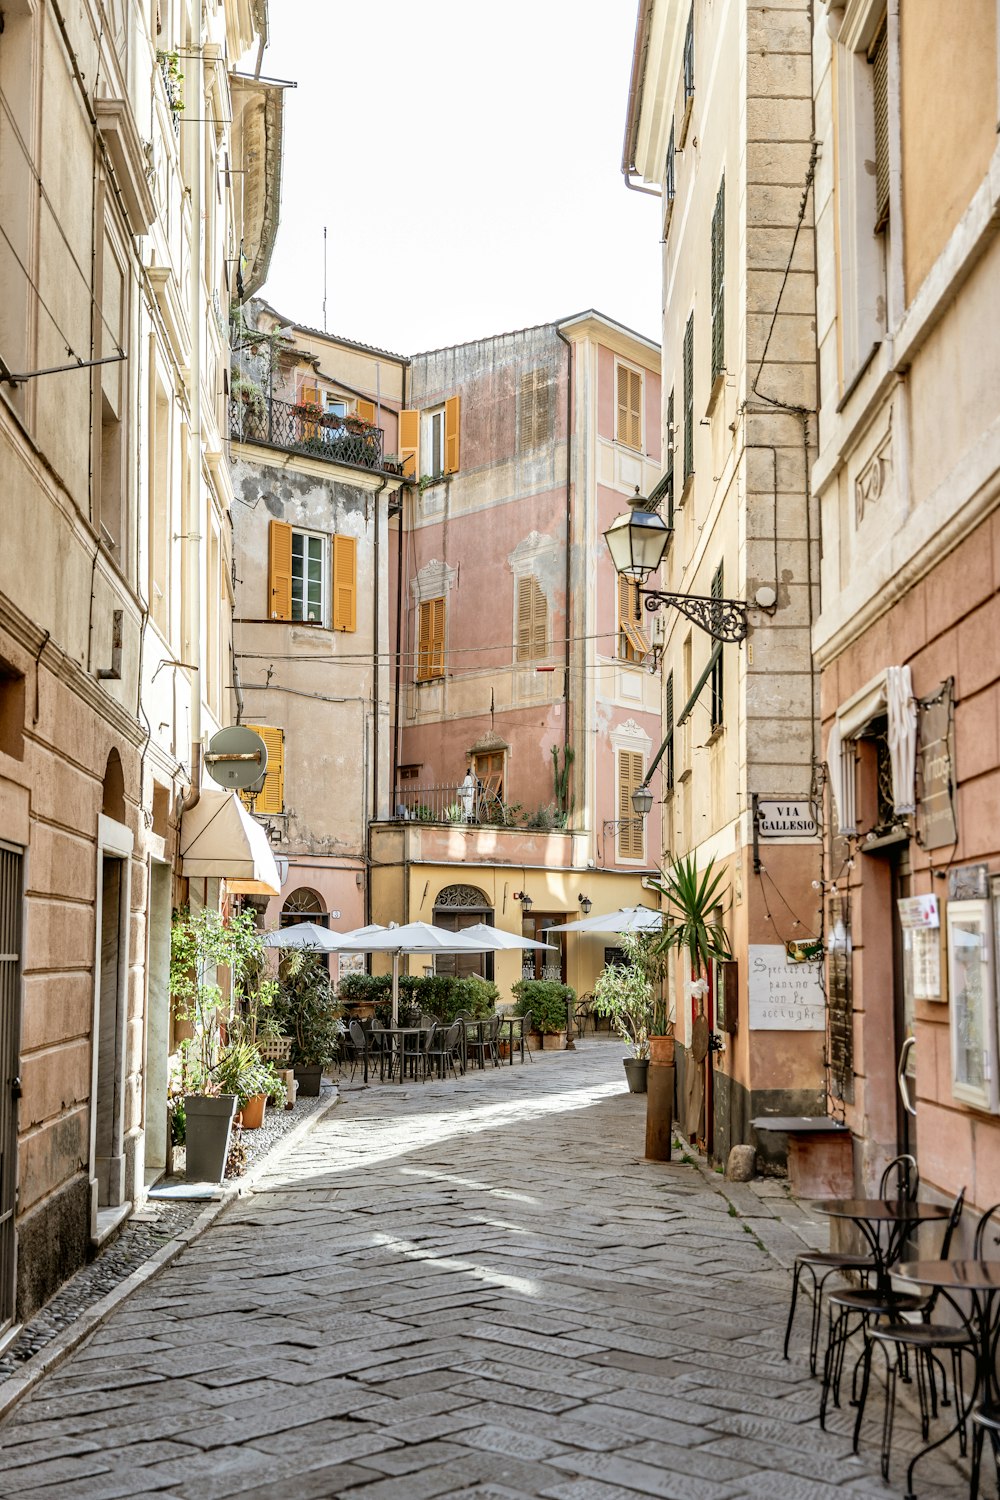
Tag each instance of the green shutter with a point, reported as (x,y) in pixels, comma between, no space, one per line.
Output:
(689,399)
(719,283)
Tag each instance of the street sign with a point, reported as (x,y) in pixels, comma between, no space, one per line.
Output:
(786,820)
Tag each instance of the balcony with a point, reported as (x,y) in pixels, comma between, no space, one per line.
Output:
(454,825)
(478,806)
(307,429)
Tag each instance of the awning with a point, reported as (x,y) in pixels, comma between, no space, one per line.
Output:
(219,838)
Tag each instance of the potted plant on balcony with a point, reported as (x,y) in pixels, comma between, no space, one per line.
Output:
(307,1011)
(549,1002)
(624,993)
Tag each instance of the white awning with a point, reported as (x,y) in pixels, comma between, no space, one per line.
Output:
(219,838)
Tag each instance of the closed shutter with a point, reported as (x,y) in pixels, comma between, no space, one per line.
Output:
(280,571)
(719,283)
(670,460)
(430,649)
(409,441)
(689,399)
(629,407)
(532,620)
(345,583)
(668,717)
(633,642)
(535,424)
(630,825)
(271,797)
(718,704)
(452,417)
(366,411)
(879,59)
(309,395)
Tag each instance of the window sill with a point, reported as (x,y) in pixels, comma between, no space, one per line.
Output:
(718,386)
(685,121)
(427,681)
(688,487)
(716,735)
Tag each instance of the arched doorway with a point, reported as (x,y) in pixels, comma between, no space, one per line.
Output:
(459,906)
(304,905)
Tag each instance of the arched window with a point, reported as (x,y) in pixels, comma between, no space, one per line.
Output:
(304,905)
(459,906)
(113,800)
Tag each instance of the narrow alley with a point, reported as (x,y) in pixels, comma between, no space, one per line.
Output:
(466,1289)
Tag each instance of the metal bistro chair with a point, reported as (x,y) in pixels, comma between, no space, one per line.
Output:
(582,1014)
(485,1044)
(360,1049)
(924,1340)
(519,1038)
(899,1180)
(444,1050)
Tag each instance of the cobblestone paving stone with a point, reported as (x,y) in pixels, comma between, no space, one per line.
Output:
(473,1290)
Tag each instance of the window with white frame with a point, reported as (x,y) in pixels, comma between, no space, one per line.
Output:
(310,570)
(432,441)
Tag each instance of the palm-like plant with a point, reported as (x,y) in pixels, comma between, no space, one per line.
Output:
(690,899)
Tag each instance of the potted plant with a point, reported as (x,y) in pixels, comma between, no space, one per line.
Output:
(307,1011)
(624,993)
(549,1002)
(241,1071)
(201,944)
(691,925)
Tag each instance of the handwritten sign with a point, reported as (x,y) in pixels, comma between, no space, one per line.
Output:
(918,911)
(783,996)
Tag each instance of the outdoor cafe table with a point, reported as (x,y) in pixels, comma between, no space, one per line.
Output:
(896,1217)
(399,1034)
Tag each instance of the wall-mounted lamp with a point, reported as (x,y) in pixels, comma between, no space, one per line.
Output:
(525,900)
(642,800)
(585,904)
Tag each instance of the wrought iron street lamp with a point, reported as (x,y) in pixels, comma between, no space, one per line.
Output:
(525,900)
(642,799)
(637,541)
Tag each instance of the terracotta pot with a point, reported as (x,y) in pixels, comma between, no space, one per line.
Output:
(661,1050)
(554,1041)
(533,1041)
(251,1116)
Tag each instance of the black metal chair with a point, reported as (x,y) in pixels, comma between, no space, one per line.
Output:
(985,1419)
(360,1050)
(444,1049)
(899,1180)
(926,1341)
(483,1044)
(519,1035)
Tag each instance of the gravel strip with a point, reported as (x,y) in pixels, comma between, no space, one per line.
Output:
(163,1219)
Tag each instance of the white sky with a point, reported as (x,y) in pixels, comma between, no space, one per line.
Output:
(466,160)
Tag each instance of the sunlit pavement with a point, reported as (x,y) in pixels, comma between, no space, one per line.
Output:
(472,1288)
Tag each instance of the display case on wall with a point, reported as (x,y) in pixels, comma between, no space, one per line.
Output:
(973,1009)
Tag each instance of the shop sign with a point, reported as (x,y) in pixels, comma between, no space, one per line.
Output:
(919,911)
(783,995)
(920,919)
(786,820)
(937,825)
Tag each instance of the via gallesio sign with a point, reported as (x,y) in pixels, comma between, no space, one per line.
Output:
(781,819)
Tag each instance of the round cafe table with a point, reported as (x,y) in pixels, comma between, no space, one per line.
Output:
(884,1224)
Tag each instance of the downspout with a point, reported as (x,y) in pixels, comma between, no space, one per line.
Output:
(377,595)
(194,518)
(569,541)
(404,495)
(637,82)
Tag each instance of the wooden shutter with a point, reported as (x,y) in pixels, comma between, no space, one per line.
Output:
(670,461)
(668,717)
(629,427)
(452,416)
(879,59)
(271,797)
(532,619)
(633,642)
(630,830)
(280,572)
(345,583)
(689,398)
(430,648)
(409,441)
(309,395)
(719,283)
(366,411)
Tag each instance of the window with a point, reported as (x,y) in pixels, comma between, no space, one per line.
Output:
(631,833)
(488,769)
(430,648)
(435,443)
(689,399)
(334,406)
(668,720)
(439,439)
(160,528)
(633,642)
(307,577)
(271,796)
(532,619)
(670,183)
(689,57)
(536,410)
(629,429)
(878,57)
(670,461)
(299,575)
(110,391)
(719,283)
(717,680)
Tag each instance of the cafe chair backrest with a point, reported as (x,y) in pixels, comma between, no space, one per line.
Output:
(987,1233)
(900,1180)
(952,1225)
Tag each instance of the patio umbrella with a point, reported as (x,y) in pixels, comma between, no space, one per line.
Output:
(499,942)
(625,919)
(304,935)
(412,937)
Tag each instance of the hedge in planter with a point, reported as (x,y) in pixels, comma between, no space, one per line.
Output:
(443,995)
(547,1000)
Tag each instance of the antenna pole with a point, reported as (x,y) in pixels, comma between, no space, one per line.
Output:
(324,278)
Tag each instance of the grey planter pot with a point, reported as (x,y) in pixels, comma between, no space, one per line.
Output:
(636,1069)
(209,1122)
(309,1080)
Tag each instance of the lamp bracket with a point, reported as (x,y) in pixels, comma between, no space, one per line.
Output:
(722,619)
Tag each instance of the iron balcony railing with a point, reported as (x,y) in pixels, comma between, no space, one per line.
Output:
(299,429)
(464,804)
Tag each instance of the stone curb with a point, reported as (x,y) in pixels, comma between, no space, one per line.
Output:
(16,1387)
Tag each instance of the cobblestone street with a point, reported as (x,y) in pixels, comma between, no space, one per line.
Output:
(465,1289)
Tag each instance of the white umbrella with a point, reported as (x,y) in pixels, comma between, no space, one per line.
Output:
(304,935)
(625,919)
(496,941)
(412,937)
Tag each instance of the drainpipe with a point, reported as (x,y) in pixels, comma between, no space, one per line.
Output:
(195,518)
(569,536)
(403,497)
(376,604)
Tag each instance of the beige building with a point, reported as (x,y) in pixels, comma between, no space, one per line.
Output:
(316,475)
(908,478)
(115,599)
(719,124)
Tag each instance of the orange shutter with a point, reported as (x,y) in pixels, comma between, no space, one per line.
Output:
(409,441)
(366,411)
(630,830)
(629,407)
(309,396)
(451,426)
(271,797)
(345,583)
(430,649)
(280,572)
(532,619)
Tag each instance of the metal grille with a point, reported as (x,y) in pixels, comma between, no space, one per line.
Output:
(10,986)
(839,1011)
(718,704)
(298,429)
(719,283)
(879,59)
(689,398)
(886,803)
(464,898)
